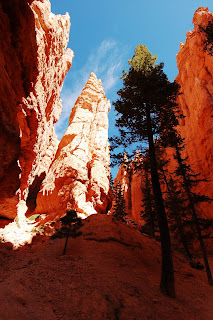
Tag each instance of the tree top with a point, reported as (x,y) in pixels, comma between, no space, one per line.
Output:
(142,59)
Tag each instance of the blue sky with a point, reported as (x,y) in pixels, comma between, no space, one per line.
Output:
(104,34)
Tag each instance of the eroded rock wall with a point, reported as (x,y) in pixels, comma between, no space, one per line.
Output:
(196,102)
(79,175)
(33,64)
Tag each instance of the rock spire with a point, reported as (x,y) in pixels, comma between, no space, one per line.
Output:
(79,175)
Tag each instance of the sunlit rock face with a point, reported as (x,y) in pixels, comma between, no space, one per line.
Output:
(79,175)
(33,64)
(196,102)
(131,178)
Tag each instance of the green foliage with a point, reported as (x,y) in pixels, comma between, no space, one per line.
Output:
(175,202)
(119,208)
(34,216)
(111,181)
(188,180)
(70,227)
(208,40)
(142,60)
(144,92)
(177,211)
(17,221)
(69,221)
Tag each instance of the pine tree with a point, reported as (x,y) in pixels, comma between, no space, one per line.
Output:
(111,182)
(177,211)
(190,180)
(70,227)
(145,99)
(119,208)
(208,39)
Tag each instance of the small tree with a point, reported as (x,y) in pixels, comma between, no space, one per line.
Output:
(119,208)
(189,181)
(111,182)
(208,40)
(70,226)
(177,211)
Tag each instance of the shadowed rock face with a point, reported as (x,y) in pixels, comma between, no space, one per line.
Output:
(79,175)
(14,84)
(33,64)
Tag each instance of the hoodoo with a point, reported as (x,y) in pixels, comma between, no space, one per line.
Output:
(78,177)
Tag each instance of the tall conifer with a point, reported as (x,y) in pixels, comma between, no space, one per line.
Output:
(119,208)
(143,104)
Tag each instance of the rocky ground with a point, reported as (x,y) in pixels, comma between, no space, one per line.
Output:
(110,272)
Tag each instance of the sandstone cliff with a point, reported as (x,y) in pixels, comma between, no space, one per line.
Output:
(33,64)
(79,175)
(196,103)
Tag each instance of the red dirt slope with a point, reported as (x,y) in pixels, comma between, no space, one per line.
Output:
(110,272)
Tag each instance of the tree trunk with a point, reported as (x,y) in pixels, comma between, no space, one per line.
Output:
(148,207)
(67,237)
(167,284)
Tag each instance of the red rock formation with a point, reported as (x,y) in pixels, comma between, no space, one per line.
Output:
(79,175)
(33,64)
(196,103)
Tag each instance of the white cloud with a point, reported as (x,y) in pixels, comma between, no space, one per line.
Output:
(111,77)
(106,62)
